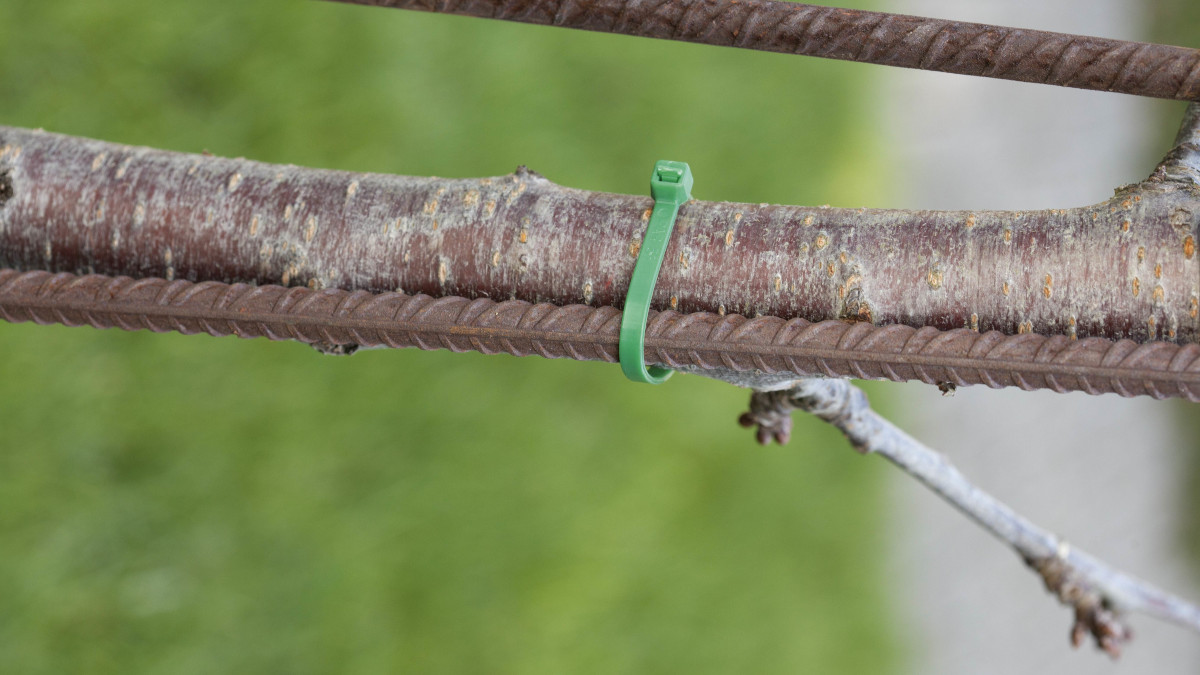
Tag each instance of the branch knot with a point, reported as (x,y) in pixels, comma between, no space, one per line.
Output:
(1094,614)
(771,412)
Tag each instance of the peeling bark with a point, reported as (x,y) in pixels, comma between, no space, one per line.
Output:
(6,185)
(6,188)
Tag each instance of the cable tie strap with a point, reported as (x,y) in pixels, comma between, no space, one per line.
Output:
(671,187)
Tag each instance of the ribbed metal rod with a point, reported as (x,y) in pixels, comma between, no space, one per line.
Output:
(702,340)
(1078,61)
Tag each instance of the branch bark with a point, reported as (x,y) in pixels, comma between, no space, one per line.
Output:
(1123,269)
(901,283)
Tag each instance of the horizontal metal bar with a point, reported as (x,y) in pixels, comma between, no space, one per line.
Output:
(698,340)
(1042,57)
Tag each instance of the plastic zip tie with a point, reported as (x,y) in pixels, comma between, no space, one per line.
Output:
(671,187)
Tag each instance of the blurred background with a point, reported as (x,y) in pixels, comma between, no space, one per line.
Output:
(1108,474)
(176,504)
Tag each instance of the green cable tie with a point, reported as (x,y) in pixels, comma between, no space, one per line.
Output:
(671,187)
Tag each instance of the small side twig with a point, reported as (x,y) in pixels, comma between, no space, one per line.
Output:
(1182,163)
(1099,594)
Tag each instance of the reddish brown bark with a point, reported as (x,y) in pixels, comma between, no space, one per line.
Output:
(1126,268)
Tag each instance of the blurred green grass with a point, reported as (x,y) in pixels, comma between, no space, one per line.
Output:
(176,504)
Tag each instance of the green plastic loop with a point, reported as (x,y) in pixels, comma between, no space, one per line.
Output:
(671,187)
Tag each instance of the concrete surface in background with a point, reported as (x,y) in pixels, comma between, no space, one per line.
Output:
(1101,471)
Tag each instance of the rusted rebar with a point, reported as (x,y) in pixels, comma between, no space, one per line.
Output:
(703,340)
(1077,61)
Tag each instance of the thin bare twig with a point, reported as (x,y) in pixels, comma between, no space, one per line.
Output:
(1182,163)
(1098,593)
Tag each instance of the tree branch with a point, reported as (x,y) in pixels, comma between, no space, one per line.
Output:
(1123,269)
(1182,163)
(1097,593)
